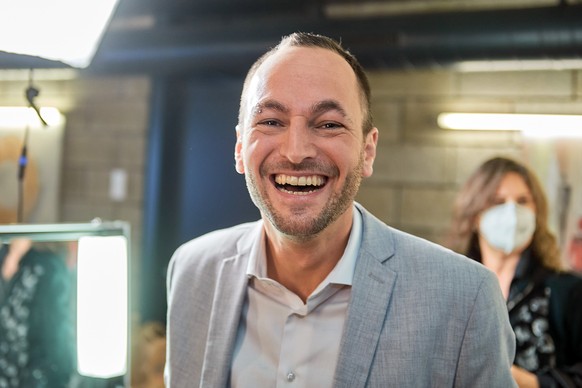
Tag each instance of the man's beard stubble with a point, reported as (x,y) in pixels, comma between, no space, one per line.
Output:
(303,225)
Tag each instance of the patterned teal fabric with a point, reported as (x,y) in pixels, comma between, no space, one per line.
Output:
(36,329)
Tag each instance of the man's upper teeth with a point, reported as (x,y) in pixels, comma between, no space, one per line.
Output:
(313,180)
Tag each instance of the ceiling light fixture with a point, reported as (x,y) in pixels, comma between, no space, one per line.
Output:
(65,30)
(531,125)
(518,65)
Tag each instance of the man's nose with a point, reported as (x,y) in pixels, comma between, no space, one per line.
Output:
(298,143)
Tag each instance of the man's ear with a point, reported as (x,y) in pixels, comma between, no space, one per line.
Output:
(239,165)
(370,143)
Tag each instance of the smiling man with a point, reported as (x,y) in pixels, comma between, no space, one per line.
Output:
(319,293)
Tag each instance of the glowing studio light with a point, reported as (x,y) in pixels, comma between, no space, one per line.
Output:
(12,117)
(102,306)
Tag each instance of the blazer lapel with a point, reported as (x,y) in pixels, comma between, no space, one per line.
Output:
(372,288)
(227,305)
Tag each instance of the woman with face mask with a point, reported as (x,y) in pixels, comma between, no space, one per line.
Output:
(500,219)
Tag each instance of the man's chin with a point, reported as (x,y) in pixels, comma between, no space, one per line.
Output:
(296,224)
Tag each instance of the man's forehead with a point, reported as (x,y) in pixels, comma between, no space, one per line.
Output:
(299,54)
(301,63)
(291,66)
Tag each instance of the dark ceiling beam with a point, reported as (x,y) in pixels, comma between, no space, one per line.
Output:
(392,42)
(20,61)
(200,10)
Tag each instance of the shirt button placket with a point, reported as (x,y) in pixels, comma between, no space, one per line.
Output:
(290,377)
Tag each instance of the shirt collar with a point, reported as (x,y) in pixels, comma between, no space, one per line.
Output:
(343,271)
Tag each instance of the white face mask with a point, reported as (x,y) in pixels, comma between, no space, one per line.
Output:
(508,226)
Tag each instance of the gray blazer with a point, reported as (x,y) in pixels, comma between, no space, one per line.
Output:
(419,315)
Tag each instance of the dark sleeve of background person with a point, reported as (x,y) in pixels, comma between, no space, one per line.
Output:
(51,339)
(567,305)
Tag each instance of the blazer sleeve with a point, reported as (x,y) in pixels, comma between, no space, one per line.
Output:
(488,346)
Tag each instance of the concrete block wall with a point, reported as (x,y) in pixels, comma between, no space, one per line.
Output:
(106,125)
(106,130)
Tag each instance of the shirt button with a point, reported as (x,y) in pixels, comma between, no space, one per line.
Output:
(290,376)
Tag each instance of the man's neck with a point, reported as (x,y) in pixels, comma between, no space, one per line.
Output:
(502,264)
(302,265)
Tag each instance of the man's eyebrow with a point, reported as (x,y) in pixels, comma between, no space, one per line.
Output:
(269,105)
(329,105)
(317,109)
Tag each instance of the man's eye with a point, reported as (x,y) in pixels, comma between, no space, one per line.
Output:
(330,126)
(269,123)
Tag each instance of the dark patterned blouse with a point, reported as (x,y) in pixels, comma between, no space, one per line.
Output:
(36,336)
(545,311)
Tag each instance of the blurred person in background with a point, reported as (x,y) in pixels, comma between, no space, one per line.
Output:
(501,220)
(148,356)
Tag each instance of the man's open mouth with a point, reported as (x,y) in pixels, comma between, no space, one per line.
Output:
(299,185)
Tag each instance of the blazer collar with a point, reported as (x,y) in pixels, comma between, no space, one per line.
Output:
(371,293)
(226,311)
(376,241)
